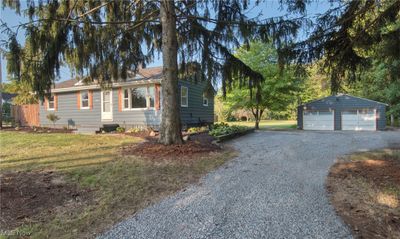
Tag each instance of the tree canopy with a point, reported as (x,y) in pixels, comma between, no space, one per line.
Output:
(278,89)
(107,39)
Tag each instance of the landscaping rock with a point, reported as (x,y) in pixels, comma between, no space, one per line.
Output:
(186,138)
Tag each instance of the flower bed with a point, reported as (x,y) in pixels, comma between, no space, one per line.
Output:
(223,131)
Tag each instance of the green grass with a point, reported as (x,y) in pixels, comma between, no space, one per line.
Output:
(120,185)
(269,124)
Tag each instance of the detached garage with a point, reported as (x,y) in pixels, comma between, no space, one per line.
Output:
(342,112)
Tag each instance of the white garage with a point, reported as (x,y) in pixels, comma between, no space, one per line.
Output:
(361,119)
(342,112)
(318,120)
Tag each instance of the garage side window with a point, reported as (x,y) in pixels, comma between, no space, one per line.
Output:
(205,100)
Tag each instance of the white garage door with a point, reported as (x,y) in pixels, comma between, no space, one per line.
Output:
(318,120)
(359,119)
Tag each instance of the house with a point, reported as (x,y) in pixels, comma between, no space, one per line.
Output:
(7,98)
(342,112)
(135,102)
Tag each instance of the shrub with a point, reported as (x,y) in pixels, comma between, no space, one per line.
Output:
(224,129)
(53,118)
(120,129)
(134,130)
(197,129)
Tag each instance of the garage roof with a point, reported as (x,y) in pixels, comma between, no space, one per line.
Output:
(340,97)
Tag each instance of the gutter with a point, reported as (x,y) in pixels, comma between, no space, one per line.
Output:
(114,85)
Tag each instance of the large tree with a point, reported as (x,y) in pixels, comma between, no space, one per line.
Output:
(344,36)
(275,93)
(105,39)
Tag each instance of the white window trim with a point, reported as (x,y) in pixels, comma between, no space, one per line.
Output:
(130,98)
(81,98)
(205,98)
(48,104)
(187,97)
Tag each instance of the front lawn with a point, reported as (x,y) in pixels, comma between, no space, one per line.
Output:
(85,181)
(268,124)
(365,191)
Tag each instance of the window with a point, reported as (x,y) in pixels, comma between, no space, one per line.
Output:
(85,99)
(184,96)
(142,97)
(138,98)
(126,99)
(205,100)
(151,96)
(50,103)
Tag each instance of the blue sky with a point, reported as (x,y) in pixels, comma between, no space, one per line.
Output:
(267,9)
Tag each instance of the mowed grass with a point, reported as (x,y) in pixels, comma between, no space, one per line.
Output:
(269,124)
(119,185)
(27,151)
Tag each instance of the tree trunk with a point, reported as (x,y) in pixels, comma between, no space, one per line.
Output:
(392,120)
(256,118)
(170,131)
(257,126)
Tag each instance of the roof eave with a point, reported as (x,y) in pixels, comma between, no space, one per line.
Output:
(114,85)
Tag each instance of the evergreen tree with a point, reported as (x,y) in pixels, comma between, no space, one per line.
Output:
(105,39)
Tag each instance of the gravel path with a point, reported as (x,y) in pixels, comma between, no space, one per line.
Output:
(274,189)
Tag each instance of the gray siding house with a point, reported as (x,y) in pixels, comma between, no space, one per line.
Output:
(135,102)
(342,112)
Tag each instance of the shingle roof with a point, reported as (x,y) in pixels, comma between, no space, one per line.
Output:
(66,84)
(338,96)
(7,96)
(150,73)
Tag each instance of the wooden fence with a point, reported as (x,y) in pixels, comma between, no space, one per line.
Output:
(26,115)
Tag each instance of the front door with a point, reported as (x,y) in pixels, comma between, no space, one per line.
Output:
(106,105)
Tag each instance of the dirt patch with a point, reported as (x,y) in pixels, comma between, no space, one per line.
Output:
(196,145)
(365,191)
(37,130)
(30,196)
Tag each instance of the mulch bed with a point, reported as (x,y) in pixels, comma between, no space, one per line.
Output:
(360,208)
(28,196)
(37,130)
(198,144)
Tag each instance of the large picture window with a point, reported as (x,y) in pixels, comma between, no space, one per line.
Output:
(184,96)
(85,99)
(138,97)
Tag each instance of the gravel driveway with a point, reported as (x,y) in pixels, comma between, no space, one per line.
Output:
(274,189)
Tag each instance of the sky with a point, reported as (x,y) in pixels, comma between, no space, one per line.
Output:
(270,8)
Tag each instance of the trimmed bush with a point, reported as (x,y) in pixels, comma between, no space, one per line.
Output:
(224,129)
